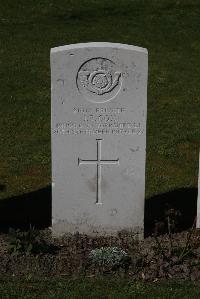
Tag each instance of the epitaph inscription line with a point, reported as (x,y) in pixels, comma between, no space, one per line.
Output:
(98,162)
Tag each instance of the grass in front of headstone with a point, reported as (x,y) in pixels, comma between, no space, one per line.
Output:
(170,30)
(100,287)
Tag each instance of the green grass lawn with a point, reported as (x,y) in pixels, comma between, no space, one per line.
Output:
(170,30)
(96,288)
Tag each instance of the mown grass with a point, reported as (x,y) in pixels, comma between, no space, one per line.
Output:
(170,30)
(95,288)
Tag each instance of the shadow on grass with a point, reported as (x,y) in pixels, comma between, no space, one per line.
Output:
(21,211)
(183,201)
(2,187)
(35,209)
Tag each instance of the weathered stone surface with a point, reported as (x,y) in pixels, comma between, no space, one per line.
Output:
(99,102)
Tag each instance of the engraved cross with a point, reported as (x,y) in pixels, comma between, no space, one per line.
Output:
(98,162)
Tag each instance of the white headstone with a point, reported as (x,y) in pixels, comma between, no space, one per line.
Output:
(198,199)
(99,103)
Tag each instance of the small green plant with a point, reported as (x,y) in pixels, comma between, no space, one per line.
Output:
(26,242)
(109,256)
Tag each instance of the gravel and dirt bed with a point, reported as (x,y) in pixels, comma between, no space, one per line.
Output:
(154,258)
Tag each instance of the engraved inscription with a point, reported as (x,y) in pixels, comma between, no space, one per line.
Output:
(98,162)
(72,128)
(99,121)
(99,80)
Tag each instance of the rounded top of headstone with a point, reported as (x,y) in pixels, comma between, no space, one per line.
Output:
(100,69)
(99,45)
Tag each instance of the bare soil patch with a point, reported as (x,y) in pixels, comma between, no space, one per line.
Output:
(154,258)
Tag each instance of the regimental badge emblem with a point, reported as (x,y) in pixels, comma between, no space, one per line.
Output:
(99,80)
